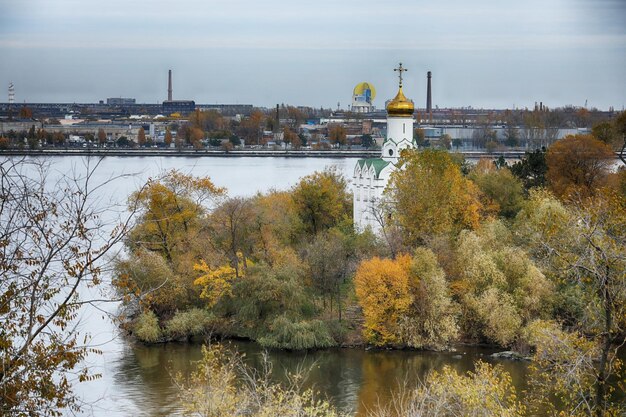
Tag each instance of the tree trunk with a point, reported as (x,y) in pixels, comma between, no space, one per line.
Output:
(601,379)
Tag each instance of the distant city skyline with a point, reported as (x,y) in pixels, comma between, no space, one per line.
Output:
(483,54)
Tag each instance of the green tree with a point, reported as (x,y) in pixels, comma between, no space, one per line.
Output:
(504,191)
(605,131)
(446,141)
(322,200)
(367,141)
(532,169)
(327,260)
(420,137)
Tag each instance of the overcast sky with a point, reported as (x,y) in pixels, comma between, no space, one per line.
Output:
(491,54)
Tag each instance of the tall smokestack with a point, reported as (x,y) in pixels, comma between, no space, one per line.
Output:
(429,99)
(169,86)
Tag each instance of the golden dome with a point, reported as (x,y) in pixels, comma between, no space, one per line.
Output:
(400,106)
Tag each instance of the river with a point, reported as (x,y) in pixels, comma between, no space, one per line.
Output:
(136,379)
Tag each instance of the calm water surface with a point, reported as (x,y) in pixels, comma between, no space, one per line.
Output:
(136,379)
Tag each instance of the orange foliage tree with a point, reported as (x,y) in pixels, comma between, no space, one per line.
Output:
(578,164)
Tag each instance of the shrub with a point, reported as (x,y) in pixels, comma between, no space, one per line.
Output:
(146,327)
(188,323)
(287,334)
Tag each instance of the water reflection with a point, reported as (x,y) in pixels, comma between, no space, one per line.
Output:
(355,380)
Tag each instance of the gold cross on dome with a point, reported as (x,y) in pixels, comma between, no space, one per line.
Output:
(400,69)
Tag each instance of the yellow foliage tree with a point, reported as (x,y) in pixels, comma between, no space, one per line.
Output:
(171,208)
(383,289)
(217,283)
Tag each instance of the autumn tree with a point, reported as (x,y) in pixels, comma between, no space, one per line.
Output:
(322,200)
(405,301)
(420,137)
(58,138)
(584,246)
(141,137)
(168,138)
(170,211)
(25,113)
(430,321)
(337,135)
(578,164)
(429,196)
(102,136)
(231,226)
(605,132)
(327,260)
(504,192)
(250,127)
(382,287)
(147,281)
(215,282)
(289,136)
(274,224)
(53,244)
(499,288)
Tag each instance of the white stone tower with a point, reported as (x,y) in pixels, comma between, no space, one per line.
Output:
(371,176)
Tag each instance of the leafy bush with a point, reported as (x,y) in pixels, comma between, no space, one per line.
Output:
(188,323)
(300,335)
(146,327)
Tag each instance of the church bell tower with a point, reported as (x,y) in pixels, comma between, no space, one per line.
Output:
(399,123)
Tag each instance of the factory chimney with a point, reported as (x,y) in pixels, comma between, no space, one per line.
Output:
(429,100)
(169,86)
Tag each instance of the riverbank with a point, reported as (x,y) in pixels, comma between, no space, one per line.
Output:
(306,153)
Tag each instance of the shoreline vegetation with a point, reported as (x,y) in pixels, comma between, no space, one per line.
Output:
(529,258)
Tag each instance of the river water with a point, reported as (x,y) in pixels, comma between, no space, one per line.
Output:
(136,379)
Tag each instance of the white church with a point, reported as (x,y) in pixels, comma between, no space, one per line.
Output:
(372,175)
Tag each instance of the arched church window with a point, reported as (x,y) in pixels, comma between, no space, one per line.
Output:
(390,152)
